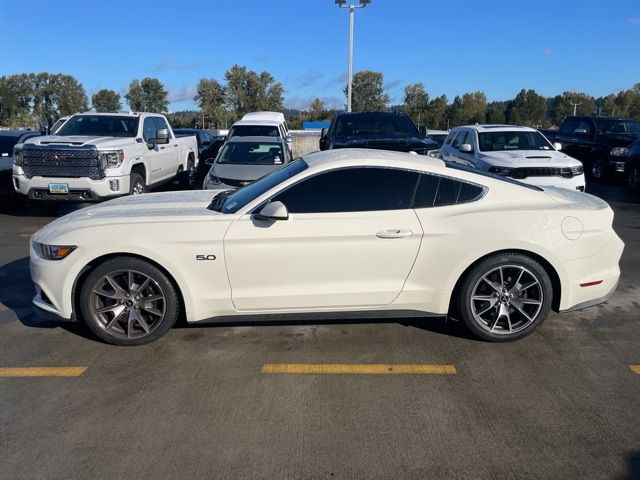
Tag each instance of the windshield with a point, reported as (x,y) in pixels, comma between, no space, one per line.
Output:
(100,125)
(519,140)
(254,131)
(620,127)
(231,201)
(374,125)
(57,125)
(251,153)
(439,139)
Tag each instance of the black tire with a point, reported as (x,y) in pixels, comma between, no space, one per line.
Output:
(509,265)
(188,177)
(598,168)
(137,185)
(633,176)
(122,330)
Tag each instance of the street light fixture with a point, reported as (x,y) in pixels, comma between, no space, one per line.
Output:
(352,9)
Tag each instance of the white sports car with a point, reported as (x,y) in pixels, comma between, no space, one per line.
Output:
(360,231)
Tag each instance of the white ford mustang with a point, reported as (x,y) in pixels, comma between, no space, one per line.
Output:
(360,231)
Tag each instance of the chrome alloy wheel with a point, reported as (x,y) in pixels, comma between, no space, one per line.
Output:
(191,175)
(507,299)
(138,188)
(127,304)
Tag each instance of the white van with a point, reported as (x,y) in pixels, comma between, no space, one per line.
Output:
(262,124)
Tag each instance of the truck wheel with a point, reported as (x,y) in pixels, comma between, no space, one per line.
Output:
(633,176)
(127,301)
(137,185)
(188,177)
(598,168)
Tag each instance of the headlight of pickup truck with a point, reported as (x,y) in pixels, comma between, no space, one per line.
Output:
(619,151)
(110,158)
(17,157)
(52,252)
(506,171)
(577,170)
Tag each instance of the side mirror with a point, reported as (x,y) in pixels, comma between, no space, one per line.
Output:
(206,143)
(466,148)
(44,130)
(209,161)
(423,131)
(323,132)
(273,211)
(162,135)
(288,139)
(557,146)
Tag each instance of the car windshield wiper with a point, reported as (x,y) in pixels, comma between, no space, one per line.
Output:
(218,201)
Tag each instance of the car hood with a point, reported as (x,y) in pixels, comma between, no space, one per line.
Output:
(80,141)
(529,158)
(165,207)
(243,172)
(403,144)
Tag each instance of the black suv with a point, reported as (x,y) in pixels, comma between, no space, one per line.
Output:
(380,130)
(600,143)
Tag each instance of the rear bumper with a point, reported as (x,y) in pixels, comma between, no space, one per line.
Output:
(579,290)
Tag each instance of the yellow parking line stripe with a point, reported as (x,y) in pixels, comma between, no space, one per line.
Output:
(367,369)
(635,368)
(42,371)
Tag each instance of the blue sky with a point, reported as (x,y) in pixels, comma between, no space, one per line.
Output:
(497,46)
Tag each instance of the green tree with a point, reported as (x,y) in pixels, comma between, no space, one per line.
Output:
(147,95)
(368,92)
(627,103)
(562,105)
(607,105)
(496,113)
(56,95)
(106,100)
(317,110)
(528,108)
(468,109)
(416,102)
(210,98)
(249,91)
(436,115)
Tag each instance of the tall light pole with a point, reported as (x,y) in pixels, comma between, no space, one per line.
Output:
(575,107)
(352,10)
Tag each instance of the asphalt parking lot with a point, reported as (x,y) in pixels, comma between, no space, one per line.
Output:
(207,401)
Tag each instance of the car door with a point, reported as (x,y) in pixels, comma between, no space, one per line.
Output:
(467,158)
(169,153)
(568,138)
(350,241)
(453,152)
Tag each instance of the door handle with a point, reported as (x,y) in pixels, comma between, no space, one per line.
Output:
(396,233)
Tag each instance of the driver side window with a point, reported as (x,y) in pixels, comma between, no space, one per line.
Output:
(148,129)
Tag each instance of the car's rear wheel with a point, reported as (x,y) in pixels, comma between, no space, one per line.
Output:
(505,297)
(188,177)
(128,301)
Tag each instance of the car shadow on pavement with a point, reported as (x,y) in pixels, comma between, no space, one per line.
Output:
(633,466)
(16,293)
(439,325)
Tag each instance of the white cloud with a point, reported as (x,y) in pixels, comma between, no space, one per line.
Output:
(169,64)
(302,103)
(182,94)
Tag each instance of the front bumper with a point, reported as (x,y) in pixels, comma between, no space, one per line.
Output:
(80,189)
(574,183)
(617,165)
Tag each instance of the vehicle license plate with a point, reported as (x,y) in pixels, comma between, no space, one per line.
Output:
(58,188)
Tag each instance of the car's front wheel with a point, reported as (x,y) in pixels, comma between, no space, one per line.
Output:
(633,176)
(505,297)
(128,301)
(598,168)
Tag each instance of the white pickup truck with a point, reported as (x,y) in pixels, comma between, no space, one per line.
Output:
(97,156)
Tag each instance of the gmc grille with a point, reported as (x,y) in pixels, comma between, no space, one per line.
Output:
(68,163)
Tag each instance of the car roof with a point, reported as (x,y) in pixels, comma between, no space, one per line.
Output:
(255,139)
(371,155)
(271,116)
(269,123)
(119,114)
(497,128)
(374,112)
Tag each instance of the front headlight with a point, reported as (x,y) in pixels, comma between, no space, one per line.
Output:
(577,170)
(110,158)
(213,179)
(17,157)
(52,252)
(619,151)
